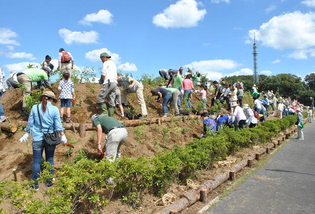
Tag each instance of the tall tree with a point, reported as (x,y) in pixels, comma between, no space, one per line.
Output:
(310,81)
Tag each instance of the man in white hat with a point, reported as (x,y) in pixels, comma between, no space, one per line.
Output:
(109,83)
(238,113)
(251,120)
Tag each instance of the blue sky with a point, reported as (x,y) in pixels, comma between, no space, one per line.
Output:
(214,37)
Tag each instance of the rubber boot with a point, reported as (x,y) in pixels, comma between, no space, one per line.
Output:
(24,112)
(111,111)
(104,108)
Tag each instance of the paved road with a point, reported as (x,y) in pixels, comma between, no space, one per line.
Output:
(285,184)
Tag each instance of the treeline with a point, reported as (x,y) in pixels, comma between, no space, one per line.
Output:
(284,85)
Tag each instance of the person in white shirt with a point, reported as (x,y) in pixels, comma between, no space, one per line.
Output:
(251,120)
(240,117)
(2,90)
(280,109)
(309,114)
(12,81)
(109,81)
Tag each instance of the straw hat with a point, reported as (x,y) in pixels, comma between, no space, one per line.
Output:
(246,106)
(48,94)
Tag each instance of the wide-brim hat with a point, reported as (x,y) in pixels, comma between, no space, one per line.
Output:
(48,94)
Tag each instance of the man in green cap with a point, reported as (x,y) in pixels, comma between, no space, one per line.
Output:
(109,81)
(115,132)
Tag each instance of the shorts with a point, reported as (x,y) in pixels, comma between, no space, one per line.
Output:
(65,103)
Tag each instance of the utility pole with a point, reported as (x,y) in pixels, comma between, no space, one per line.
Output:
(255,53)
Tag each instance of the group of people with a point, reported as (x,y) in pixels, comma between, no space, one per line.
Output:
(178,89)
(47,118)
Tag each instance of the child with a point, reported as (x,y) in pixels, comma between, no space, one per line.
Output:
(66,90)
(203,94)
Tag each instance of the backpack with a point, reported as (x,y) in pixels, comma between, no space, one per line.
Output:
(65,57)
(264,102)
(256,114)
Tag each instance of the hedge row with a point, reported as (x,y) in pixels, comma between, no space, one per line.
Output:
(83,182)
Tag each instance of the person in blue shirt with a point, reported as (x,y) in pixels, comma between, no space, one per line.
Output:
(225,120)
(209,124)
(50,119)
(164,97)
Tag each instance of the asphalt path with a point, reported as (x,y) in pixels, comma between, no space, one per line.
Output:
(284,184)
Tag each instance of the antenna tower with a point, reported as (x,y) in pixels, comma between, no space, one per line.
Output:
(255,53)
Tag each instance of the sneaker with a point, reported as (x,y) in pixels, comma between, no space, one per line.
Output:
(110,181)
(143,117)
(61,119)
(2,119)
(68,120)
(49,184)
(125,105)
(34,187)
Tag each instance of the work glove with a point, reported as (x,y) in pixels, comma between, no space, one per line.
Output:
(64,139)
(24,138)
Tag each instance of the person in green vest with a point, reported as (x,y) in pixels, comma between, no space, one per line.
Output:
(115,132)
(27,77)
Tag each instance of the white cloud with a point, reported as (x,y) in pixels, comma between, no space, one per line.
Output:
(266,72)
(309,3)
(213,65)
(10,47)
(299,54)
(102,16)
(20,55)
(184,13)
(127,67)
(243,71)
(78,37)
(270,8)
(21,66)
(6,36)
(219,1)
(276,61)
(94,56)
(288,31)
(213,75)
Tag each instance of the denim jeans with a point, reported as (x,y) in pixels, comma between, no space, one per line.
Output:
(38,147)
(187,94)
(166,100)
(1,110)
(1,106)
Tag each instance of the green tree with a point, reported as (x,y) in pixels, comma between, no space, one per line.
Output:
(310,81)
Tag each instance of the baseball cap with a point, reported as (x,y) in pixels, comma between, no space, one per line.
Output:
(105,54)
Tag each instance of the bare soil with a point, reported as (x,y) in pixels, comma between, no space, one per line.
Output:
(145,140)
